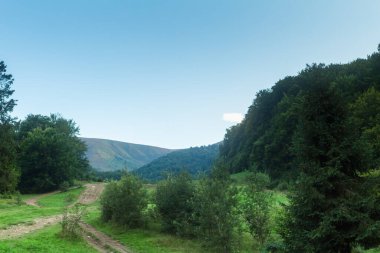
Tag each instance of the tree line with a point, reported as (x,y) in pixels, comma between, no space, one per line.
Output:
(194,160)
(266,140)
(39,153)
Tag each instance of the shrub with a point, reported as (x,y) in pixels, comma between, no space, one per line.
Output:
(173,197)
(217,223)
(123,202)
(255,209)
(71,220)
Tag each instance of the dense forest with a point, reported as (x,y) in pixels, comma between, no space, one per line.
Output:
(40,153)
(195,161)
(267,139)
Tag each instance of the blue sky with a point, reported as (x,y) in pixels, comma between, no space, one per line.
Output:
(165,72)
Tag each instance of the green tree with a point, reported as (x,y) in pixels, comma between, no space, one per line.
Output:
(173,199)
(365,121)
(123,202)
(8,170)
(214,214)
(50,153)
(325,214)
(256,207)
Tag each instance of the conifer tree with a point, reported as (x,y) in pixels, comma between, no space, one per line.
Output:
(8,171)
(327,213)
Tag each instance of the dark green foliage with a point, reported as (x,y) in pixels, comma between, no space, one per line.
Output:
(214,212)
(195,161)
(264,140)
(123,202)
(173,199)
(365,121)
(50,153)
(9,173)
(322,128)
(106,175)
(328,212)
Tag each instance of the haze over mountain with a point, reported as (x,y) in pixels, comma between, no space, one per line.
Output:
(110,155)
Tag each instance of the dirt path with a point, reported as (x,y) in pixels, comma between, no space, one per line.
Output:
(90,194)
(21,229)
(98,240)
(101,241)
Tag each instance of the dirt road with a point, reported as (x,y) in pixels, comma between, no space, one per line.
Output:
(100,241)
(90,194)
(21,229)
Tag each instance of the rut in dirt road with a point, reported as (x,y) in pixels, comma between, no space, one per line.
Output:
(101,241)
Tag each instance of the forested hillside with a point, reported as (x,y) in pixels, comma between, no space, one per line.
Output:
(268,138)
(109,155)
(194,160)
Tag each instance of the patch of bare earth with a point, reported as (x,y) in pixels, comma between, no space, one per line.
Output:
(21,229)
(91,194)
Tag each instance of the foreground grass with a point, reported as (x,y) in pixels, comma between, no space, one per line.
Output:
(11,213)
(145,241)
(46,240)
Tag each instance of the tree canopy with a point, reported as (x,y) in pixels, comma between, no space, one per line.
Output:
(50,153)
(265,139)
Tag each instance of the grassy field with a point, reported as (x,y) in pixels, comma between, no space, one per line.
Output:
(46,240)
(11,213)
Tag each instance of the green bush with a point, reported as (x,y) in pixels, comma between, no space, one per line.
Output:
(215,217)
(123,202)
(256,206)
(173,197)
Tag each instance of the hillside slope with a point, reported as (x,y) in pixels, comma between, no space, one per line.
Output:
(268,137)
(194,160)
(109,155)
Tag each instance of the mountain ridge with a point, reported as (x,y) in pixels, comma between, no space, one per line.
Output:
(112,155)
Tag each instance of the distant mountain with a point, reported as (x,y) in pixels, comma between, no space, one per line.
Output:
(193,160)
(109,155)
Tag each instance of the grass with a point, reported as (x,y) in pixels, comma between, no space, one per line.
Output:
(11,213)
(46,240)
(59,200)
(144,240)
(241,177)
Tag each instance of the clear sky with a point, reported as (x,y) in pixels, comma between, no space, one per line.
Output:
(165,72)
